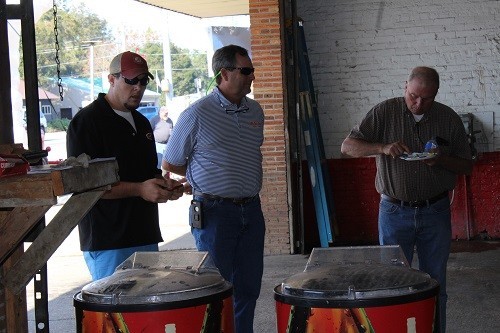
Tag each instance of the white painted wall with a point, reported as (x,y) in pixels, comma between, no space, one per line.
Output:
(361,52)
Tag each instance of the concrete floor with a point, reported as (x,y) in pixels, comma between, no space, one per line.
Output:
(473,280)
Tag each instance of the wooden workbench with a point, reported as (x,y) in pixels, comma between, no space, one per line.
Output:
(24,200)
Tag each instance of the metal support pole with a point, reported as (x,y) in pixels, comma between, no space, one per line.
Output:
(167,62)
(6,130)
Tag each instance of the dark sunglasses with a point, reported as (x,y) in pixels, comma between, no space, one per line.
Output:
(144,81)
(243,70)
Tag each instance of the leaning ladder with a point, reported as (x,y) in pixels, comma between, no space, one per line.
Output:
(315,151)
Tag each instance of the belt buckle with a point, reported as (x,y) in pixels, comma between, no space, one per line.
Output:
(417,204)
(242,201)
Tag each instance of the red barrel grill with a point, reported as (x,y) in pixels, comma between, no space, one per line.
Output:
(167,292)
(357,290)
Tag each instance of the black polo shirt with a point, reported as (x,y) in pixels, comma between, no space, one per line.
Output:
(116,223)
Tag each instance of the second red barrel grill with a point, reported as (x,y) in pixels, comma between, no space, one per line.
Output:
(357,290)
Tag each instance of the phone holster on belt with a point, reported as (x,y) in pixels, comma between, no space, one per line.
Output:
(195,216)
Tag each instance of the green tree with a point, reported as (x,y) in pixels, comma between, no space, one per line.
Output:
(186,67)
(152,51)
(76,27)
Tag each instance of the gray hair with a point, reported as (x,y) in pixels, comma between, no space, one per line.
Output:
(427,74)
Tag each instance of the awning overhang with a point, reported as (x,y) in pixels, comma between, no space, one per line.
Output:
(203,8)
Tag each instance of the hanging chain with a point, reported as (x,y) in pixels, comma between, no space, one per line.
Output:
(58,62)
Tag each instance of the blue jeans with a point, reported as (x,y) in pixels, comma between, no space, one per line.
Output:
(233,235)
(160,148)
(103,263)
(429,230)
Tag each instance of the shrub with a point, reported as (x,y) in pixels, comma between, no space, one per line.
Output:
(58,125)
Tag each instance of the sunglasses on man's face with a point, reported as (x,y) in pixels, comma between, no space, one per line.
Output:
(144,81)
(243,70)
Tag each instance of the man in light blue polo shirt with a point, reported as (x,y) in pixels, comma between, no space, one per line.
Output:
(216,145)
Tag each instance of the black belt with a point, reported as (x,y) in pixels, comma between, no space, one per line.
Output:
(236,201)
(416,204)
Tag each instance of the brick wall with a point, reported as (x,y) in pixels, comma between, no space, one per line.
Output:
(361,53)
(268,90)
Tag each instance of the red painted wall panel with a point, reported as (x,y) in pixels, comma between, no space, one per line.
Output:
(475,206)
(485,196)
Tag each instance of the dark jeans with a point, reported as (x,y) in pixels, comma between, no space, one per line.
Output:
(429,230)
(233,235)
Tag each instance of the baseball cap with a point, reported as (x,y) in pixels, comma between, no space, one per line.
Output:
(130,65)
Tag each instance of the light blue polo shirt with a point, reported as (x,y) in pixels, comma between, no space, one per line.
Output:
(221,145)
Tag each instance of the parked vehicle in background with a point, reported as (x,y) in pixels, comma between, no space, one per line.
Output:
(148,111)
(43,129)
(43,122)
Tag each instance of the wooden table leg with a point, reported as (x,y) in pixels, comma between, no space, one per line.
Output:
(49,239)
(13,313)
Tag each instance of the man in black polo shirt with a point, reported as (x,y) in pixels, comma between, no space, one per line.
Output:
(125,220)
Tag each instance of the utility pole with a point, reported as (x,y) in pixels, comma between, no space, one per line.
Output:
(91,44)
(167,62)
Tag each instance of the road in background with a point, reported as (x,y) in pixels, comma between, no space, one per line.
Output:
(57,143)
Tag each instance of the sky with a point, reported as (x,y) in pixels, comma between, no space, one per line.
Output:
(183,30)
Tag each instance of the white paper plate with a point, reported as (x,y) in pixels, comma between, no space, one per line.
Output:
(417,156)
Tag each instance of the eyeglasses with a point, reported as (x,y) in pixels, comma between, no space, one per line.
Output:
(243,70)
(144,81)
(232,109)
